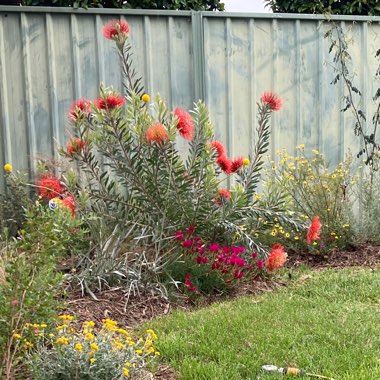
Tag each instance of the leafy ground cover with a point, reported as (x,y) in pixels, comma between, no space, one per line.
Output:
(326,323)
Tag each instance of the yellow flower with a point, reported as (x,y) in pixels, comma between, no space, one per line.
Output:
(145,98)
(301,146)
(28,344)
(89,336)
(287,235)
(296,238)
(131,343)
(157,353)
(43,325)
(246,162)
(94,346)
(17,336)
(92,360)
(62,340)
(79,347)
(138,352)
(127,364)
(315,151)
(8,168)
(66,317)
(126,371)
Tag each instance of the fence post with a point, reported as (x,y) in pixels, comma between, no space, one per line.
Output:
(198,55)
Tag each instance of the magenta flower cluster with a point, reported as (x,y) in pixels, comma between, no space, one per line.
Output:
(233,262)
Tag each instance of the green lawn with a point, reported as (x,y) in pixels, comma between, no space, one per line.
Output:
(328,324)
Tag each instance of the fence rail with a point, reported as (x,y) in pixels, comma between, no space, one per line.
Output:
(52,56)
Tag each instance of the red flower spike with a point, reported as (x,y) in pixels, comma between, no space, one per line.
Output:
(185,124)
(69,202)
(115,28)
(156,133)
(314,230)
(276,258)
(219,147)
(78,109)
(49,187)
(271,100)
(225,164)
(75,145)
(238,274)
(110,102)
(260,264)
(236,164)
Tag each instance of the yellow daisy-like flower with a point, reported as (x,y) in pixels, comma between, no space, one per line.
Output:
(126,371)
(138,352)
(29,344)
(66,317)
(92,360)
(62,340)
(8,168)
(145,98)
(89,336)
(17,336)
(157,353)
(94,346)
(246,162)
(79,347)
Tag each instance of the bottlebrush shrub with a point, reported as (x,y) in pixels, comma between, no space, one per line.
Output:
(68,352)
(310,188)
(140,185)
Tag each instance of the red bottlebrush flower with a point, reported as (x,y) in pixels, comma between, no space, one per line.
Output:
(179,235)
(238,274)
(49,187)
(185,124)
(156,133)
(271,100)
(254,255)
(236,164)
(219,147)
(69,202)
(260,264)
(276,259)
(79,109)
(225,164)
(75,145)
(110,102)
(115,28)
(223,196)
(190,230)
(314,230)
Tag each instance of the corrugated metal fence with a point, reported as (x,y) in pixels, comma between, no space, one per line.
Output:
(52,56)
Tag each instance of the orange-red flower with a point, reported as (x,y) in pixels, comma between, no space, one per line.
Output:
(185,124)
(110,102)
(314,230)
(49,187)
(219,147)
(75,145)
(271,100)
(156,133)
(236,164)
(225,163)
(69,202)
(276,258)
(223,196)
(116,29)
(79,109)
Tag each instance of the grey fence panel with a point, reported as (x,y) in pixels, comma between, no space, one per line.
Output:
(51,56)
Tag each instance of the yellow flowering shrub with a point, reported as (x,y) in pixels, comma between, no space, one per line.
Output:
(310,188)
(65,351)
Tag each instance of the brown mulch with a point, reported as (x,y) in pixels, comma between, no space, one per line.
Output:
(144,308)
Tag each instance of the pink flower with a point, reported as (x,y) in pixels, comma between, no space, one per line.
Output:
(260,264)
(185,124)
(110,102)
(190,230)
(189,284)
(254,255)
(238,274)
(236,164)
(214,247)
(271,100)
(219,147)
(276,259)
(225,164)
(156,133)
(314,230)
(179,235)
(187,243)
(79,109)
(116,29)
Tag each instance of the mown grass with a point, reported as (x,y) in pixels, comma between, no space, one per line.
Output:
(327,324)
